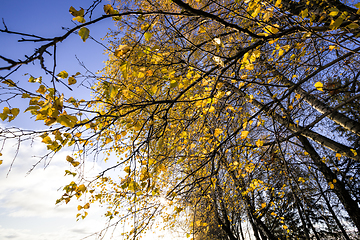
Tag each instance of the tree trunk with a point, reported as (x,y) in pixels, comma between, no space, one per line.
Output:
(347,123)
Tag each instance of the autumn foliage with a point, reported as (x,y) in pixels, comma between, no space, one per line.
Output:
(224,116)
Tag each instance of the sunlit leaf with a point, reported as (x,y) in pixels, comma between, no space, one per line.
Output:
(319,86)
(63,74)
(47,140)
(333,12)
(304,13)
(244,134)
(217,132)
(80,19)
(354,152)
(81,188)
(121,50)
(67,120)
(148,36)
(127,169)
(259,143)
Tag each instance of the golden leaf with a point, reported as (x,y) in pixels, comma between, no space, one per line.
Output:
(217,132)
(244,134)
(319,86)
(76,13)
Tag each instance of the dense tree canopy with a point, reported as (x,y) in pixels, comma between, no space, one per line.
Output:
(233,119)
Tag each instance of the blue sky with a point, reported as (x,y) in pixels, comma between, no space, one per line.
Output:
(46,19)
(27,202)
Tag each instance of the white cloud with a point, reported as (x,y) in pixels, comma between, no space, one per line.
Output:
(27,202)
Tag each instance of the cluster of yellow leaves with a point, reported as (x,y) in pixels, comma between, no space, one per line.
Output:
(143,97)
(9,113)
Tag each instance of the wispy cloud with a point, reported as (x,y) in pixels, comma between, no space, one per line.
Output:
(27,201)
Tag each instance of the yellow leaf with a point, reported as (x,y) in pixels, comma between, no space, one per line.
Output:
(354,152)
(71,80)
(338,155)
(353,25)
(333,12)
(33,80)
(285,227)
(47,140)
(15,111)
(304,13)
(281,52)
(9,82)
(121,50)
(67,120)
(217,132)
(108,9)
(147,36)
(76,13)
(358,6)
(249,67)
(271,29)
(81,188)
(244,134)
(202,29)
(69,159)
(263,205)
(42,89)
(63,74)
(141,75)
(259,143)
(149,73)
(251,98)
(87,206)
(319,86)
(301,179)
(50,121)
(84,33)
(278,3)
(80,19)
(127,169)
(336,24)
(79,208)
(25,95)
(6,110)
(75,164)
